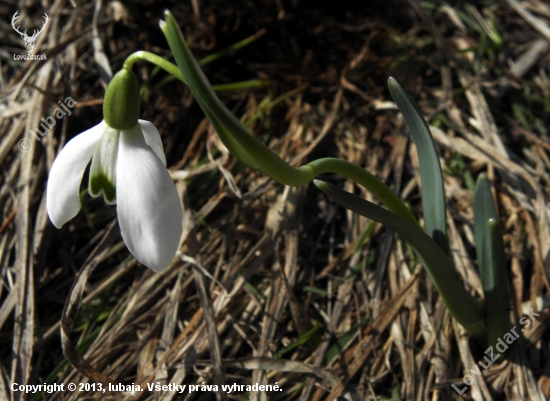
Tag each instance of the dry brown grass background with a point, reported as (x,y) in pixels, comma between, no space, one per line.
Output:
(291,292)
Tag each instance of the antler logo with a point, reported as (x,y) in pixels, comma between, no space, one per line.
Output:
(30,41)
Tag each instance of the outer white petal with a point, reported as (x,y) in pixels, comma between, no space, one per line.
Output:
(149,209)
(63,198)
(152,138)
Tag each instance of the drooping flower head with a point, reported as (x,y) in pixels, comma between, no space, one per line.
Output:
(129,169)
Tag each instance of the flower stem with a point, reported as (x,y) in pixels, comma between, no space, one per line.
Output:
(167,66)
(367,180)
(173,69)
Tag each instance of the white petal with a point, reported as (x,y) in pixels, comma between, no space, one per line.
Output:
(149,208)
(152,138)
(63,192)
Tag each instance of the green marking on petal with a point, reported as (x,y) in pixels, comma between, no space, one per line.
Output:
(101,183)
(103,169)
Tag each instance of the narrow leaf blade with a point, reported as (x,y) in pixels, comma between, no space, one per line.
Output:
(492,262)
(232,133)
(433,192)
(495,285)
(484,209)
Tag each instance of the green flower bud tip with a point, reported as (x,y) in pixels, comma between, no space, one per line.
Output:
(122,102)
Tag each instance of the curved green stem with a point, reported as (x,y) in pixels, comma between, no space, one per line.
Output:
(167,66)
(173,70)
(367,180)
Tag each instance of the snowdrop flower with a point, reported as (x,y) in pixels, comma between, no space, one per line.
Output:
(129,169)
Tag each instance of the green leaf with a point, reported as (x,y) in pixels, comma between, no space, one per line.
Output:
(495,285)
(484,209)
(433,192)
(249,150)
(439,266)
(232,133)
(492,262)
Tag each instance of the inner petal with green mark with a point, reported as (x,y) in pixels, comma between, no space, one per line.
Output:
(103,169)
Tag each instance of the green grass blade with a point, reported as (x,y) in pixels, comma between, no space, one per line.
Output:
(303,339)
(433,192)
(463,306)
(364,236)
(231,50)
(343,341)
(242,85)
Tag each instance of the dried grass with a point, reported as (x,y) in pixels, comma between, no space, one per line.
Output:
(271,285)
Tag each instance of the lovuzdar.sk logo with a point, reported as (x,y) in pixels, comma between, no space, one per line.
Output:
(30,41)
